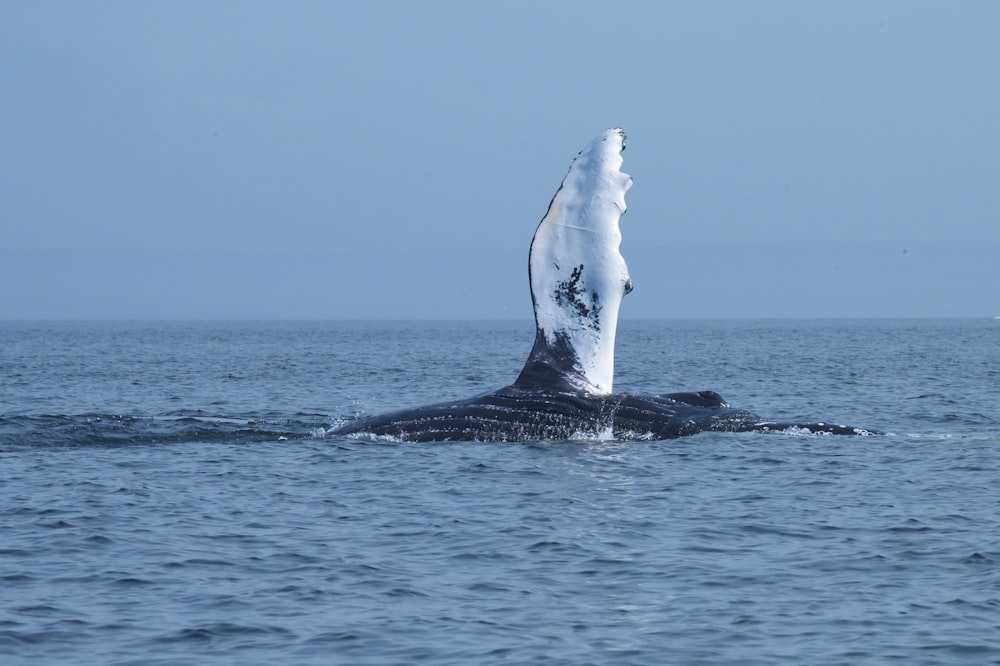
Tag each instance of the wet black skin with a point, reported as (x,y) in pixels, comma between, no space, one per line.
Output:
(524,413)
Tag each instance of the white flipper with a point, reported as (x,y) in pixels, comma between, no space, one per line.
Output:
(578,276)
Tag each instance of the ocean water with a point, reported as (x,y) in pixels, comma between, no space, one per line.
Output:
(169,495)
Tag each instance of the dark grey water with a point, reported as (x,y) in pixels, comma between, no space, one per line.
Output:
(168,495)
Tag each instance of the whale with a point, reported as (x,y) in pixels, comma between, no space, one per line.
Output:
(578,279)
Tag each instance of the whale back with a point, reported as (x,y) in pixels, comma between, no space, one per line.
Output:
(578,276)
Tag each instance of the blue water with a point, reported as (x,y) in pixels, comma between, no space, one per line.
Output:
(168,495)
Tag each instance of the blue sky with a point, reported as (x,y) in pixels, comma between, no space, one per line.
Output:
(392,159)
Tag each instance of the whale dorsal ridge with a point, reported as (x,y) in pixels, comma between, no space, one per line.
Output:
(577,274)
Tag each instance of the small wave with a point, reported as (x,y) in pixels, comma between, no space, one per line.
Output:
(111,430)
(219,630)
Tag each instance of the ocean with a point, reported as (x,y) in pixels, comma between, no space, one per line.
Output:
(169,494)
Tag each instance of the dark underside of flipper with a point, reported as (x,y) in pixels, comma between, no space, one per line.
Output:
(553,368)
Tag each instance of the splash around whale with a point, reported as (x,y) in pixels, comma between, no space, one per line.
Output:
(578,279)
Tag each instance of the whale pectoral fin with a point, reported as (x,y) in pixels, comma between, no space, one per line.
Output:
(577,274)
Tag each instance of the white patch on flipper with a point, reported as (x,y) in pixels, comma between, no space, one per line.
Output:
(578,276)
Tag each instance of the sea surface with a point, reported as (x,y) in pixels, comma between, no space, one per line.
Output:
(169,495)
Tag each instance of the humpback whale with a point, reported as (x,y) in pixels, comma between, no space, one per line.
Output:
(578,278)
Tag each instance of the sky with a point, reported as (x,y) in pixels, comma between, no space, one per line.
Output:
(391,160)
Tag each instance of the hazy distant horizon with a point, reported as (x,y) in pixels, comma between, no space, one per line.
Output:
(245,160)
